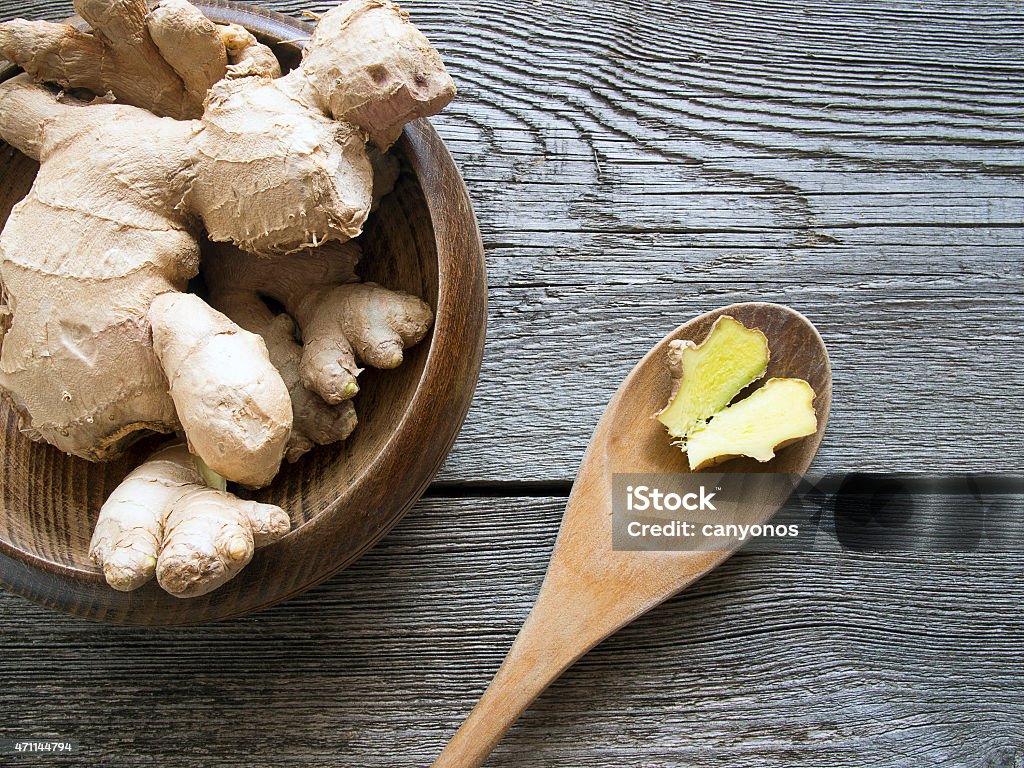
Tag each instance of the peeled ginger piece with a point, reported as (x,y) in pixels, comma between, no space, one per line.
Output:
(708,376)
(779,413)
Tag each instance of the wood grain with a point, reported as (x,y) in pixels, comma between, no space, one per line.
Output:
(636,165)
(774,660)
(633,164)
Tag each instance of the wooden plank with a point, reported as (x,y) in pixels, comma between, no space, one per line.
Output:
(624,185)
(925,368)
(819,658)
(635,165)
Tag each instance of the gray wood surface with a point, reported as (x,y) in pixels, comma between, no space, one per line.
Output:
(633,164)
(812,659)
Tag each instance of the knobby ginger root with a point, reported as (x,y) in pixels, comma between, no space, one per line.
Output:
(232,403)
(84,260)
(775,415)
(164,521)
(164,60)
(114,217)
(82,257)
(341,322)
(246,55)
(706,378)
(274,164)
(99,342)
(390,73)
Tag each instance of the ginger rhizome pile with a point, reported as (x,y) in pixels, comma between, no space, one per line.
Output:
(195,133)
(708,376)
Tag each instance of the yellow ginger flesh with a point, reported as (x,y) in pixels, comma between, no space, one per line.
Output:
(777,414)
(709,375)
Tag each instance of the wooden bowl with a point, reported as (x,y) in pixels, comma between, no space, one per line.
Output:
(342,499)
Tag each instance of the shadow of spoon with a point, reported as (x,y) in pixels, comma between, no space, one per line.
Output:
(591,589)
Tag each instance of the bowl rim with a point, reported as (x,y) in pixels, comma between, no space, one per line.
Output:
(438,408)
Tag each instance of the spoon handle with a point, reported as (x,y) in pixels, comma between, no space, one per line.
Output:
(535,660)
(582,601)
(500,706)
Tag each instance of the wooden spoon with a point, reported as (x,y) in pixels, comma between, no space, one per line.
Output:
(591,590)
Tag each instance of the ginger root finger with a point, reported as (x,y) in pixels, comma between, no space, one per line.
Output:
(163,521)
(314,421)
(329,368)
(374,69)
(210,536)
(29,112)
(341,324)
(134,67)
(232,403)
(246,55)
(129,532)
(55,53)
(378,324)
(190,43)
(320,423)
(120,57)
(361,321)
(119,22)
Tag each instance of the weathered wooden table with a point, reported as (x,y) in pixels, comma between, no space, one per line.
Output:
(634,164)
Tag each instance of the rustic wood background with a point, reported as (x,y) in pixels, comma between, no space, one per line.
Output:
(634,164)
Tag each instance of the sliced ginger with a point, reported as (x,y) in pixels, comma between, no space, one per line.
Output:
(779,413)
(709,375)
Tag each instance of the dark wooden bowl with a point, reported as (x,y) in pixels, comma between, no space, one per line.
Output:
(342,499)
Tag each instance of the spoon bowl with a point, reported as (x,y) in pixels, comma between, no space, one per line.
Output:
(591,589)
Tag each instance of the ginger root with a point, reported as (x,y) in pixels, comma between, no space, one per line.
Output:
(164,60)
(706,378)
(163,520)
(341,322)
(93,263)
(274,164)
(231,400)
(99,340)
